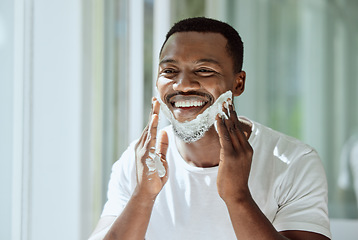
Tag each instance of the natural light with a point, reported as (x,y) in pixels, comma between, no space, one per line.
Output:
(77,78)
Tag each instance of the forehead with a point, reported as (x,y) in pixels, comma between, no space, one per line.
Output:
(195,44)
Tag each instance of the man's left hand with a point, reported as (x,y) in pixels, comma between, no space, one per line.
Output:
(235,158)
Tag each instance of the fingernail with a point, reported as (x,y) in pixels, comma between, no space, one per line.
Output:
(227,108)
(153,116)
(224,116)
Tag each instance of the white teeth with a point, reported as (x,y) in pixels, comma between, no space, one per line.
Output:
(189,104)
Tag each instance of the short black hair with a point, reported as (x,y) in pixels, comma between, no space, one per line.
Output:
(235,46)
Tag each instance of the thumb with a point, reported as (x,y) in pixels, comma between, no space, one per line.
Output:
(162,149)
(163,144)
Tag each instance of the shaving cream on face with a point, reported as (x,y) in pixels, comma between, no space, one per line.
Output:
(191,131)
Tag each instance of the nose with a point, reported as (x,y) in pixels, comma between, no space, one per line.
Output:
(185,83)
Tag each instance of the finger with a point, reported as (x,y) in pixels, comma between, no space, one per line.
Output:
(157,162)
(163,144)
(224,136)
(164,177)
(230,101)
(152,150)
(165,164)
(162,150)
(155,118)
(231,125)
(142,138)
(152,133)
(144,135)
(156,106)
(241,135)
(154,111)
(151,109)
(233,115)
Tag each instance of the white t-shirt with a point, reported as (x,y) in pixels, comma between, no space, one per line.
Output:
(287,181)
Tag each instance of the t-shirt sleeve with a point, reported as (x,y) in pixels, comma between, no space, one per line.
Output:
(121,184)
(302,197)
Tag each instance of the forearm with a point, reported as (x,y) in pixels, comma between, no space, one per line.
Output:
(99,235)
(249,222)
(133,222)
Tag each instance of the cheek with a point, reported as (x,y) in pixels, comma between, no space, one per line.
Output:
(163,86)
(163,82)
(216,88)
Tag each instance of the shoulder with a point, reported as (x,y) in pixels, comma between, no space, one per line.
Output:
(299,185)
(284,158)
(280,145)
(125,165)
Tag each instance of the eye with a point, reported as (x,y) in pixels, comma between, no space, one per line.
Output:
(169,70)
(205,72)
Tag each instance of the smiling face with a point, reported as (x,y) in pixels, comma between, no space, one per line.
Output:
(194,70)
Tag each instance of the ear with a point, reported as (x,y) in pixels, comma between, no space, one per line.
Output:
(239,83)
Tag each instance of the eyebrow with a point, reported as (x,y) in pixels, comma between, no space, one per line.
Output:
(203,60)
(167,61)
(208,60)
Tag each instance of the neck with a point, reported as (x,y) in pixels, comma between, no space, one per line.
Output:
(206,151)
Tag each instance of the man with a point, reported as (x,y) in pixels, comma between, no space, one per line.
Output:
(212,175)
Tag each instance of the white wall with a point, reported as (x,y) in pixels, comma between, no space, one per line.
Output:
(6,103)
(344,229)
(50,187)
(56,120)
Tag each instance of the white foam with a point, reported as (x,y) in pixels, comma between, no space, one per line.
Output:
(191,131)
(154,164)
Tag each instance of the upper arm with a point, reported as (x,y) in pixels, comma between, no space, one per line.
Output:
(302,198)
(303,235)
(120,187)
(121,183)
(102,227)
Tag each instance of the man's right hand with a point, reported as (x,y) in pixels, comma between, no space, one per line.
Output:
(149,183)
(133,221)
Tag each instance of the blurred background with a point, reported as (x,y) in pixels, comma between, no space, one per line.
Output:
(77,77)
